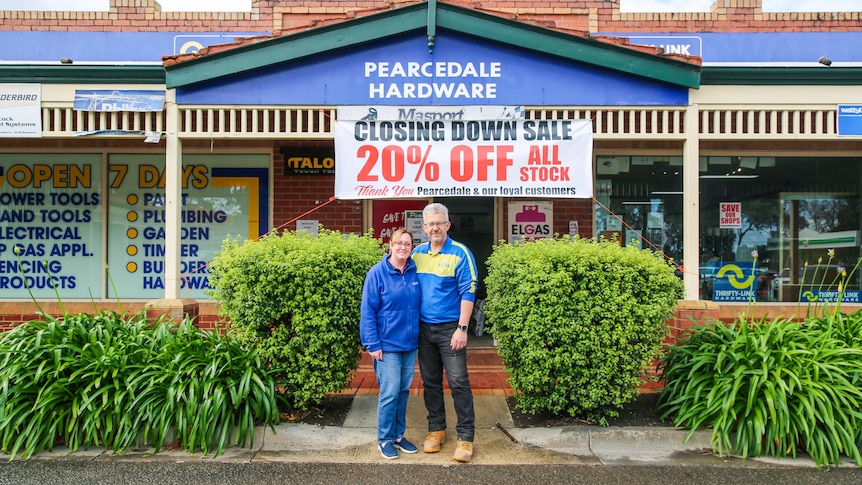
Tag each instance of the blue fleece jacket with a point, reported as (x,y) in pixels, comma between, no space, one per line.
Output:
(390,308)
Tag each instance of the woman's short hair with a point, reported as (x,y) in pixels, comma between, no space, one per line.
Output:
(398,233)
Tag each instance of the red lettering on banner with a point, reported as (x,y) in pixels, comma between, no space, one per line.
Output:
(544,155)
(463,162)
(544,174)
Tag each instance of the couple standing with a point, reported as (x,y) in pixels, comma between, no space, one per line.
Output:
(421,298)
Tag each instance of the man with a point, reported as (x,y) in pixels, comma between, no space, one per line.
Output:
(447,277)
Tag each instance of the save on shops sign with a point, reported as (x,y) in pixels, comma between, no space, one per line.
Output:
(849,120)
(730,215)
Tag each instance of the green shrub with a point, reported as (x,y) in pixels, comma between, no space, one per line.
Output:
(295,297)
(578,322)
(115,381)
(770,387)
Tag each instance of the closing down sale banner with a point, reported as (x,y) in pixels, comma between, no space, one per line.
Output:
(380,159)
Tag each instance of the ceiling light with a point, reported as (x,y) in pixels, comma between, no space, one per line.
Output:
(729,176)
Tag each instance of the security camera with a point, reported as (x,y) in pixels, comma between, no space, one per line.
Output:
(825,61)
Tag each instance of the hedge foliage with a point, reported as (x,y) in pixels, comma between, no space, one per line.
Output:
(578,321)
(295,297)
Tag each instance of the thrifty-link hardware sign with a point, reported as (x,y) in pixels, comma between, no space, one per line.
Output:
(378,158)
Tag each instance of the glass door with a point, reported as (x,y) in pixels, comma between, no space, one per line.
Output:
(818,239)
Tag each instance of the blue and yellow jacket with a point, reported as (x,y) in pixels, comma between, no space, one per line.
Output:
(390,308)
(446,277)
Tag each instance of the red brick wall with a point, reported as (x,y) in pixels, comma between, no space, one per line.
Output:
(583,16)
(295,195)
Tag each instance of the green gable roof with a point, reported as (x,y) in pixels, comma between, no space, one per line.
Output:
(430,16)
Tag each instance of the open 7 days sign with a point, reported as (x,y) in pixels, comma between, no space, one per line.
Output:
(379,159)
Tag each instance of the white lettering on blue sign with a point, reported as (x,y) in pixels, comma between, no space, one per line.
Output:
(849,120)
(687,46)
(432,72)
(433,69)
(437,90)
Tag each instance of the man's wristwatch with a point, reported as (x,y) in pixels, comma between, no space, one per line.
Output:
(462,327)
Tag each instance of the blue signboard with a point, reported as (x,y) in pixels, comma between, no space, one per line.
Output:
(714,47)
(114,100)
(849,120)
(735,282)
(830,296)
(461,71)
(782,48)
(119,47)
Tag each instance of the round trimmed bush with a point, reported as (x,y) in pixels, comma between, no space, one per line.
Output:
(578,322)
(296,298)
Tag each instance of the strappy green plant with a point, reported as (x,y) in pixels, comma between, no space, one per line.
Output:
(120,382)
(769,387)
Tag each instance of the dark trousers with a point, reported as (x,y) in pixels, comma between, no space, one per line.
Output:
(436,355)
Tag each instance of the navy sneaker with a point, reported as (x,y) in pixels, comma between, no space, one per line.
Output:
(405,446)
(387,450)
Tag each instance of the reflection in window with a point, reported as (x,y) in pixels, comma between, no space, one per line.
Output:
(640,202)
(794,210)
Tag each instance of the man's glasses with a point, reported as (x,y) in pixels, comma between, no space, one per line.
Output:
(436,224)
(402,244)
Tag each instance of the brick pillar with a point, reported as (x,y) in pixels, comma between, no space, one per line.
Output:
(689,311)
(685,313)
(174,309)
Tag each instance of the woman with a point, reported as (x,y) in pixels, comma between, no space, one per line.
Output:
(389,330)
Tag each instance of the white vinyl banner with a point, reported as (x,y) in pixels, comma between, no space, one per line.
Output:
(380,159)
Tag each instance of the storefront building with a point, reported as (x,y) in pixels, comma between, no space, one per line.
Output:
(740,164)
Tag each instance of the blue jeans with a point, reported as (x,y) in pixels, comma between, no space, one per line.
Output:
(394,377)
(435,355)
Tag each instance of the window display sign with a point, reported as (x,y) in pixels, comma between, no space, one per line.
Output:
(735,282)
(222,195)
(413,223)
(530,220)
(389,215)
(731,215)
(830,296)
(51,209)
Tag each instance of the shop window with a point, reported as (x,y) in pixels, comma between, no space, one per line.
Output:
(639,198)
(791,212)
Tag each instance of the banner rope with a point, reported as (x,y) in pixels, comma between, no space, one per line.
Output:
(279,228)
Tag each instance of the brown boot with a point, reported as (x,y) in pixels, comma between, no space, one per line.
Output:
(434,440)
(464,451)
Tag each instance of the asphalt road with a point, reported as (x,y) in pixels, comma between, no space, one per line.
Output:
(57,472)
